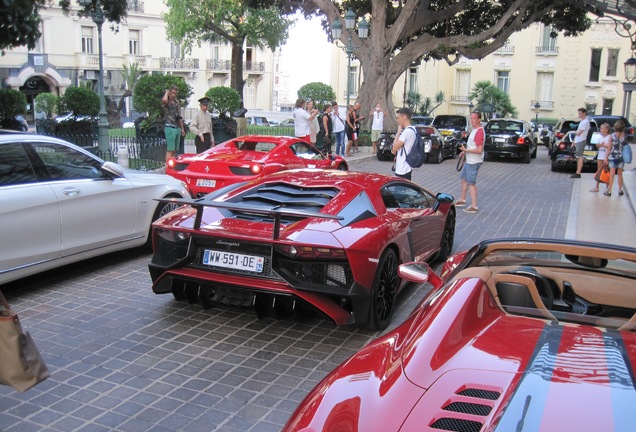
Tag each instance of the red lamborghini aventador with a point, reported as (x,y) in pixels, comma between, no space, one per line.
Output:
(325,239)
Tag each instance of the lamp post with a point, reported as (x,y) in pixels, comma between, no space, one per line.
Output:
(629,86)
(98,18)
(537,107)
(470,107)
(336,32)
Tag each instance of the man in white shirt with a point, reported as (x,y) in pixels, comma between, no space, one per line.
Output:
(403,143)
(302,121)
(377,126)
(580,139)
(201,127)
(338,119)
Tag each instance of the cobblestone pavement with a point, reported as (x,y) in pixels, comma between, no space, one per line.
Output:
(124,359)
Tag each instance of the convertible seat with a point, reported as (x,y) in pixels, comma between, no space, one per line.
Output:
(519,292)
(629,325)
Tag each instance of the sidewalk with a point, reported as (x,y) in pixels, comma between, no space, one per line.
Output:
(606,219)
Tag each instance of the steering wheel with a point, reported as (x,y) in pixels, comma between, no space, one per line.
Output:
(543,286)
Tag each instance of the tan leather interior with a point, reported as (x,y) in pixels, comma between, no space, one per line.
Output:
(532,289)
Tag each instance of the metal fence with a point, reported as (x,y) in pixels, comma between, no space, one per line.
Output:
(144,153)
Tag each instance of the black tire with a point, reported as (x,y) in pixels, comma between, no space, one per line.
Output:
(534,153)
(526,157)
(384,291)
(439,157)
(381,157)
(448,237)
(343,167)
(554,167)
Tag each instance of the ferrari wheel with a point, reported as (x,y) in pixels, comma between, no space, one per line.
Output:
(162,209)
(448,237)
(343,167)
(384,291)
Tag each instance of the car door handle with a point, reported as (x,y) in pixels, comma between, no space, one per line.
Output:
(71,191)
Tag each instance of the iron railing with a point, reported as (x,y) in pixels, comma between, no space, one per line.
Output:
(178,63)
(144,153)
(219,65)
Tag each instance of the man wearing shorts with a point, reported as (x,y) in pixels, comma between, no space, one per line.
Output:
(403,143)
(377,126)
(580,139)
(474,153)
(171,116)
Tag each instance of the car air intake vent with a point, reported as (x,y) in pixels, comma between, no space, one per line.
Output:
(468,408)
(456,425)
(290,196)
(480,394)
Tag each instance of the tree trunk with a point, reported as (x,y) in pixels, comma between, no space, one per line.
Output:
(236,76)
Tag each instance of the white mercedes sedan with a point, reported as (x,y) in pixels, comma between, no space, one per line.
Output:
(60,204)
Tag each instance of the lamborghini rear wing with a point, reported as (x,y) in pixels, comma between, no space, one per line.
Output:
(274,212)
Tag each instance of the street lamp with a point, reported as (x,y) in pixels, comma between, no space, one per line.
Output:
(470,107)
(630,85)
(537,107)
(98,18)
(336,33)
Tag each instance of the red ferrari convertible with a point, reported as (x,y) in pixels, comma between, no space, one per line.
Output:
(519,335)
(324,239)
(246,158)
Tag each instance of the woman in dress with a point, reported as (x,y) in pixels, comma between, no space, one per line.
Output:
(603,145)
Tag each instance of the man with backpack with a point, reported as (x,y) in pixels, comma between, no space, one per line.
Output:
(403,143)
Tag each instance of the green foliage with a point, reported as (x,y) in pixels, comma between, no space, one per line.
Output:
(12,103)
(46,103)
(429,105)
(150,89)
(318,92)
(79,101)
(413,101)
(225,100)
(131,75)
(20,20)
(486,92)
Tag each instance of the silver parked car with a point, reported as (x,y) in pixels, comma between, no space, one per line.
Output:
(61,204)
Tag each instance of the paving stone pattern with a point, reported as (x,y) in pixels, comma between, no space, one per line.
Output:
(124,359)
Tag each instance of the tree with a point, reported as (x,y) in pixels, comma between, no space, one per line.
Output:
(20,20)
(46,103)
(150,89)
(318,92)
(195,21)
(12,103)
(80,101)
(225,100)
(430,105)
(131,75)
(403,31)
(413,100)
(486,92)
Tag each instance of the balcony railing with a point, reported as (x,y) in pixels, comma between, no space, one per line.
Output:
(218,65)
(251,66)
(178,63)
(544,105)
(135,6)
(460,99)
(547,49)
(506,49)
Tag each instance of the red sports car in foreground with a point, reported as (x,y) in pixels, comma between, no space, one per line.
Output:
(246,158)
(325,239)
(523,335)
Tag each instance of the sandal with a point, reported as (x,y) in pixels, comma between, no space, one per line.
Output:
(460,203)
(620,192)
(607,193)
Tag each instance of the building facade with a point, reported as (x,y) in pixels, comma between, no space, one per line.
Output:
(67,55)
(546,77)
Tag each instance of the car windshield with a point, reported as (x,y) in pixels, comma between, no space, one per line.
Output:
(504,125)
(569,126)
(450,122)
(557,259)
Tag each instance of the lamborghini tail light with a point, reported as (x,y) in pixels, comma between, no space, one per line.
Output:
(311,252)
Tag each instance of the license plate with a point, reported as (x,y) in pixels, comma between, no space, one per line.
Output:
(500,140)
(206,182)
(589,153)
(446,132)
(233,260)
